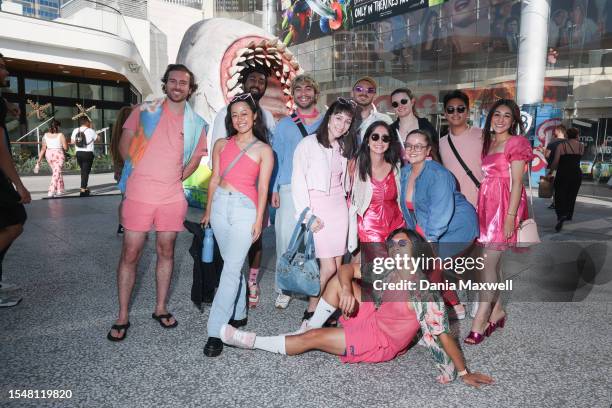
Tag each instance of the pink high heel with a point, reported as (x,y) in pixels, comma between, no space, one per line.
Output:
(475,337)
(492,326)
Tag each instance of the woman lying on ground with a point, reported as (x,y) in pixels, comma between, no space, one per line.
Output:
(375,330)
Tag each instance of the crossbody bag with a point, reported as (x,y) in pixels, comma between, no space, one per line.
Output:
(462,163)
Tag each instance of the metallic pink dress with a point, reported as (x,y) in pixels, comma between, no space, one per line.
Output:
(383,214)
(494,194)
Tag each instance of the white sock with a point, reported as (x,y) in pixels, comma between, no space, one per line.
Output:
(321,314)
(273,344)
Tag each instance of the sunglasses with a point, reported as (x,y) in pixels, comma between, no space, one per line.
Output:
(451,109)
(242,97)
(403,102)
(375,136)
(345,101)
(402,243)
(364,89)
(417,148)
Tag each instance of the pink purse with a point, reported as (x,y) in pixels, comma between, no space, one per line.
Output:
(527,231)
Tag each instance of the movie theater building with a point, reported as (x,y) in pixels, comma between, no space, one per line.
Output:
(559,52)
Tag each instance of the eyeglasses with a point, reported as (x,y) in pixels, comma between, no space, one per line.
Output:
(347,101)
(417,148)
(242,97)
(402,243)
(370,90)
(375,136)
(451,109)
(403,102)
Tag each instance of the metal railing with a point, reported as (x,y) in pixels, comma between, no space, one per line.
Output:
(37,131)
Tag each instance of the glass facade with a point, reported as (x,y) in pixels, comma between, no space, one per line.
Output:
(471,45)
(45,9)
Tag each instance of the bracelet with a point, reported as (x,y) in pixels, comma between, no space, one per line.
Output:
(512,215)
(463,372)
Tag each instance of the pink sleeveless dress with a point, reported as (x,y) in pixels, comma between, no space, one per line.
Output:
(494,194)
(383,214)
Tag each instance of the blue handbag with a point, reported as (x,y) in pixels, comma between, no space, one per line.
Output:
(297,270)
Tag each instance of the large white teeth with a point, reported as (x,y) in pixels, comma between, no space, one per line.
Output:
(259,49)
(272,50)
(281,46)
(235,69)
(244,51)
(286,68)
(262,43)
(238,60)
(277,73)
(286,91)
(288,54)
(233,81)
(251,44)
(273,42)
(234,92)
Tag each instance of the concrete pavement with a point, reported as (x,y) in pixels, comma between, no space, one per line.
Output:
(555,350)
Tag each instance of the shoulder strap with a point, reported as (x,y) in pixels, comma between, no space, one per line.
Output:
(298,122)
(462,163)
(235,161)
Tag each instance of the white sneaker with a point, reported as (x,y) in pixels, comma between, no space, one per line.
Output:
(8,287)
(238,338)
(282,301)
(10,301)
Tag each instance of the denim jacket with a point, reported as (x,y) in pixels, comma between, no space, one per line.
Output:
(440,210)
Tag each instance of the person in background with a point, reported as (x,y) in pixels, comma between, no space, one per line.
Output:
(364,92)
(568,177)
(466,163)
(318,183)
(242,167)
(403,103)
(85,154)
(502,205)
(13,196)
(53,147)
(289,131)
(118,162)
(560,135)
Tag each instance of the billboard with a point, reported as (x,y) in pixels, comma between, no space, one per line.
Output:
(305,20)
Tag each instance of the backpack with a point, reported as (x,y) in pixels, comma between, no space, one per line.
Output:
(80,140)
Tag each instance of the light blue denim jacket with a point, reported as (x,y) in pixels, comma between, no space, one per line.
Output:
(440,210)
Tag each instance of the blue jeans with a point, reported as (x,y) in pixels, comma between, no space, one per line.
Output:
(232,217)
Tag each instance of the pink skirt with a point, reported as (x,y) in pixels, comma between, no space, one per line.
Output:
(333,211)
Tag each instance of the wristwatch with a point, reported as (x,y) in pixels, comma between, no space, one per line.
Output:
(463,372)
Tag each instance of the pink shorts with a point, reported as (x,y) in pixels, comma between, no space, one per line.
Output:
(140,217)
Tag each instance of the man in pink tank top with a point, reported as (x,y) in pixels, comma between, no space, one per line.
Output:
(154,195)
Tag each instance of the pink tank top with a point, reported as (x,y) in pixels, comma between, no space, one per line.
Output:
(243,175)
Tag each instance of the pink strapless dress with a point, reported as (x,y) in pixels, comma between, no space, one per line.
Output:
(383,214)
(494,194)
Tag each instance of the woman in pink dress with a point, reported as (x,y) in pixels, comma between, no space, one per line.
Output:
(374,206)
(502,205)
(318,183)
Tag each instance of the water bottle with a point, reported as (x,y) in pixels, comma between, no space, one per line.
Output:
(208,245)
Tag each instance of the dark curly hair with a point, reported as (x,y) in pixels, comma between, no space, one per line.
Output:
(516,128)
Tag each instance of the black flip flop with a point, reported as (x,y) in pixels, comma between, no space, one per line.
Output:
(165,316)
(118,327)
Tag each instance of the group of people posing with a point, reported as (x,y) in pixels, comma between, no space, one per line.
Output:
(362,179)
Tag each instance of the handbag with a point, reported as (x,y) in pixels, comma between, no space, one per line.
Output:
(545,188)
(297,270)
(527,231)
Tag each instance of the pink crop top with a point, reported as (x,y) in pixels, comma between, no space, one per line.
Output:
(243,175)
